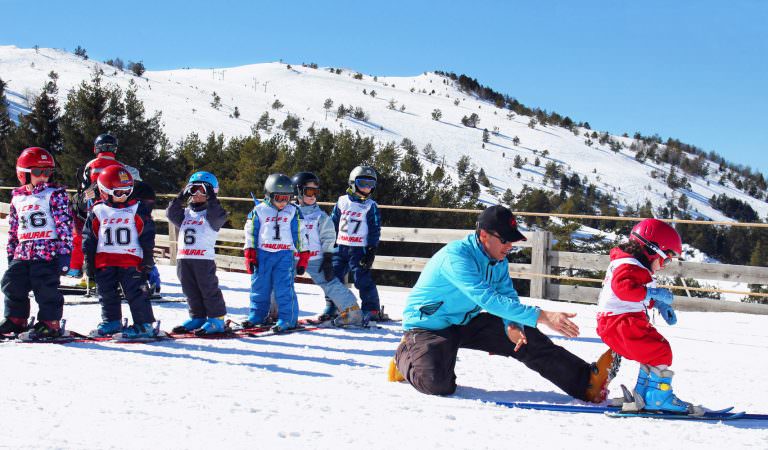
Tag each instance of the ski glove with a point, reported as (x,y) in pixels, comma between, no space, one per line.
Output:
(251,260)
(62,261)
(667,313)
(366,262)
(327,266)
(301,266)
(660,295)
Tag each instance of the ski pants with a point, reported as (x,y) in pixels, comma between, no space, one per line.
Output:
(427,358)
(201,287)
(632,336)
(38,276)
(135,289)
(335,290)
(275,273)
(76,258)
(347,259)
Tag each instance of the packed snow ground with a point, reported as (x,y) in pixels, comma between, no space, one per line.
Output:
(328,388)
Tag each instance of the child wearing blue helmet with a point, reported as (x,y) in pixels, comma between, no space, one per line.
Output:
(198,216)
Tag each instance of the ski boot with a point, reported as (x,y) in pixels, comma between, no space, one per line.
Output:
(633,401)
(282,326)
(107,328)
(329,313)
(44,330)
(659,396)
(350,316)
(601,374)
(189,325)
(214,325)
(75,273)
(139,331)
(12,325)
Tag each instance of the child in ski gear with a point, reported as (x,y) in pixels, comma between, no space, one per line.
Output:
(39,246)
(320,238)
(144,193)
(118,240)
(357,221)
(105,149)
(629,289)
(198,216)
(444,312)
(271,237)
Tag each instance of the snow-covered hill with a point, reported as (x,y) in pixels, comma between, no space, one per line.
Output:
(184,96)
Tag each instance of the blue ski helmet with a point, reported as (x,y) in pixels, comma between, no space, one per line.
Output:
(205,177)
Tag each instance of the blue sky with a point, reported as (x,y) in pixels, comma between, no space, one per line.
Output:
(693,70)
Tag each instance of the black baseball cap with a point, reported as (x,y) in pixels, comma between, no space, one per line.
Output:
(500,220)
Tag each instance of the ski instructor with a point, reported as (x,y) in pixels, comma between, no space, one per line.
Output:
(464,298)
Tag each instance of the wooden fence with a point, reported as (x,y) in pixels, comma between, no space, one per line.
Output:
(544,262)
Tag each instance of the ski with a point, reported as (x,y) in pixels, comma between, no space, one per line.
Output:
(614,411)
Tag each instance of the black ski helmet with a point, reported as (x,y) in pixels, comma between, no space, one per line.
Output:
(278,183)
(105,143)
(301,179)
(362,172)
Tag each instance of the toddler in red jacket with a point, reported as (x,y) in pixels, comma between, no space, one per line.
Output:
(629,289)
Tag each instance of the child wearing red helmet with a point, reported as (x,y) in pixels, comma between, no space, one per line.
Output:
(39,247)
(118,239)
(629,289)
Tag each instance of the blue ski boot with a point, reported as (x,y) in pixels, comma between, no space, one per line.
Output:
(107,328)
(189,325)
(659,396)
(139,331)
(282,326)
(214,325)
(75,273)
(330,312)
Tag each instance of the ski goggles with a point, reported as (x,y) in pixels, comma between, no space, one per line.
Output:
(310,191)
(38,171)
(120,193)
(112,148)
(665,255)
(280,198)
(195,189)
(362,183)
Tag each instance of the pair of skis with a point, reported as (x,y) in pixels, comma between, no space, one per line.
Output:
(724,414)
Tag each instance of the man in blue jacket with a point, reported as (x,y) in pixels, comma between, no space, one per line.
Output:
(464,298)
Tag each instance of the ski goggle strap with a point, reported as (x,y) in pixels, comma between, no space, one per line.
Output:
(112,148)
(365,183)
(666,257)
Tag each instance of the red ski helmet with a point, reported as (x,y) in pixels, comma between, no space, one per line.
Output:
(660,240)
(115,181)
(33,158)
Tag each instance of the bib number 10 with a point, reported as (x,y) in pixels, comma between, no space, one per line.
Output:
(117,236)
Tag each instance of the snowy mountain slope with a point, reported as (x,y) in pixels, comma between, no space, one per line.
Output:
(328,389)
(184,97)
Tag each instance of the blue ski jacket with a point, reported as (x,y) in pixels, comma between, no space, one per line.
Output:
(459,282)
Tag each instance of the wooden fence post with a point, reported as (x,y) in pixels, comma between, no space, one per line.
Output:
(540,244)
(172,243)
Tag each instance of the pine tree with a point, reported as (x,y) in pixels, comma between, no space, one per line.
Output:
(91,109)
(410,163)
(437,114)
(482,178)
(327,105)
(518,162)
(216,103)
(486,136)
(236,113)
(8,153)
(276,105)
(41,126)
(516,141)
(462,165)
